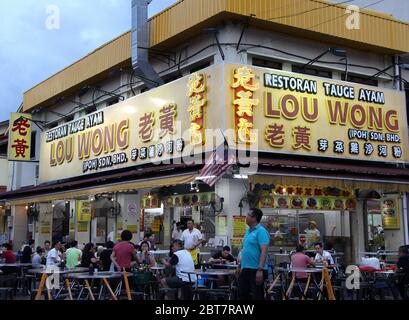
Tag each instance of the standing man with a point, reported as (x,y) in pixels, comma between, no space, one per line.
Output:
(253,264)
(123,255)
(313,234)
(192,239)
(47,247)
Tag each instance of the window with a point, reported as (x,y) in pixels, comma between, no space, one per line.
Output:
(172,77)
(360,79)
(313,71)
(266,63)
(33,144)
(112,102)
(90,110)
(200,67)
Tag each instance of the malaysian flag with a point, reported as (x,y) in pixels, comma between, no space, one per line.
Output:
(215,167)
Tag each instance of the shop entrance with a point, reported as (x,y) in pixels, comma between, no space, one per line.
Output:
(61,221)
(374,236)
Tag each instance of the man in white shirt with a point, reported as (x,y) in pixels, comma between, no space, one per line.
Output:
(177,231)
(192,239)
(182,261)
(54,255)
(322,255)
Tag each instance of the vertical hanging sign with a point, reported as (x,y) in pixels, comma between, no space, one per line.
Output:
(20,137)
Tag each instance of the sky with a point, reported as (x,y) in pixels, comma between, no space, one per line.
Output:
(34,45)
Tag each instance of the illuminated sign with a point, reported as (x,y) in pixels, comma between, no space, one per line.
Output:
(20,137)
(296,114)
(153,127)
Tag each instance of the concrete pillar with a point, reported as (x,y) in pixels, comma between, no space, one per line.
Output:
(130,209)
(44,226)
(357,231)
(19,231)
(232,190)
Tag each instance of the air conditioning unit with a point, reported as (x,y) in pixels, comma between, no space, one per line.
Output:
(10,221)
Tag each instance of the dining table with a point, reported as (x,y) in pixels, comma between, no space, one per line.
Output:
(46,272)
(90,279)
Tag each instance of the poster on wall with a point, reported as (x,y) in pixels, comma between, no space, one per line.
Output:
(82,226)
(45,227)
(390,211)
(84,211)
(237,243)
(239,226)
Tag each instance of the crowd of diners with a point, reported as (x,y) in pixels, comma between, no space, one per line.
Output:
(252,262)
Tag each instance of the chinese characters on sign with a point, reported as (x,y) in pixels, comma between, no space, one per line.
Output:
(314,116)
(197,102)
(244,102)
(20,137)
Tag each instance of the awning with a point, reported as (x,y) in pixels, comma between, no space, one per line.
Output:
(330,174)
(118,187)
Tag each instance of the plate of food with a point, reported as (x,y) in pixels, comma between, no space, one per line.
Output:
(186,200)
(265,202)
(296,203)
(169,201)
(338,204)
(312,203)
(204,199)
(325,204)
(177,201)
(282,202)
(350,204)
(195,199)
(388,203)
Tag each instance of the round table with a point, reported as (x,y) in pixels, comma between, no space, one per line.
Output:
(17,265)
(96,275)
(104,276)
(57,271)
(222,265)
(159,252)
(213,272)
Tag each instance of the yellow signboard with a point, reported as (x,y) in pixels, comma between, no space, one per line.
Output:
(153,127)
(390,211)
(267,110)
(282,112)
(20,137)
(82,226)
(84,211)
(239,226)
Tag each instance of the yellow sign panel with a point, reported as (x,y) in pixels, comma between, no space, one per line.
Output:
(390,211)
(84,211)
(20,137)
(282,112)
(162,124)
(239,226)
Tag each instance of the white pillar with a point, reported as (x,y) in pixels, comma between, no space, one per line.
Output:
(130,209)
(44,226)
(19,231)
(232,190)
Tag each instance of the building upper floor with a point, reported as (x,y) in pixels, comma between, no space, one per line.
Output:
(301,36)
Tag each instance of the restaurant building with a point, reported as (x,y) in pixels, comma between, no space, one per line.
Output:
(312,109)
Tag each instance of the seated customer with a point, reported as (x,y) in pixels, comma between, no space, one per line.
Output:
(88,257)
(183,262)
(8,254)
(105,257)
(37,258)
(223,256)
(323,255)
(144,257)
(302,261)
(403,266)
